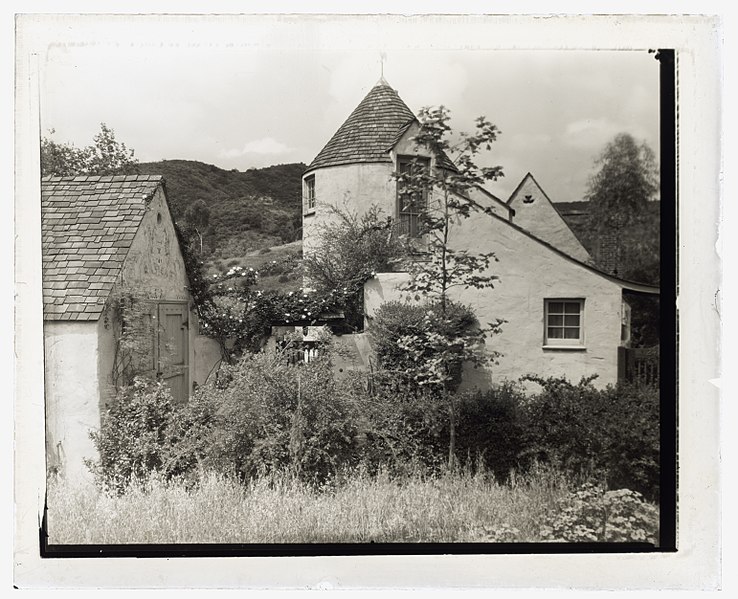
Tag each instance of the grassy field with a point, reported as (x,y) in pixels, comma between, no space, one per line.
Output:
(457,507)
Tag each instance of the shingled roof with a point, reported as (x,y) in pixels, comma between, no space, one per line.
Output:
(87,227)
(370,130)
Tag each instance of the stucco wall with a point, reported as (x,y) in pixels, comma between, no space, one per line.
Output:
(72,394)
(528,274)
(355,187)
(155,268)
(541,218)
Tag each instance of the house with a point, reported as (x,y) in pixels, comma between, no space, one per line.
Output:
(116,303)
(563,316)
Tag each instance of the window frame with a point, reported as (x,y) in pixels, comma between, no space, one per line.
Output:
(563,342)
(308,199)
(420,205)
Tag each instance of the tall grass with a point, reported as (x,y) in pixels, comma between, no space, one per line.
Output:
(451,507)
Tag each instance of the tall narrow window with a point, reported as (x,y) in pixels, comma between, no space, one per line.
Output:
(309,193)
(564,322)
(412,194)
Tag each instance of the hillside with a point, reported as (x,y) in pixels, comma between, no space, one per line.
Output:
(249,210)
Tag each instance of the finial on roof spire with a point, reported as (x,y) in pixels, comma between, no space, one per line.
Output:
(382,80)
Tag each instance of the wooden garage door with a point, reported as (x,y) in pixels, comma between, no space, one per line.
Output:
(172,348)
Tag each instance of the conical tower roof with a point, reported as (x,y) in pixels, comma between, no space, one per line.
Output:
(370,130)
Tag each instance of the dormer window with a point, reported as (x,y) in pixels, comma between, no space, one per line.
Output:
(308,193)
(412,194)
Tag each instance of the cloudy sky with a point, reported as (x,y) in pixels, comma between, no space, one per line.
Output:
(248,92)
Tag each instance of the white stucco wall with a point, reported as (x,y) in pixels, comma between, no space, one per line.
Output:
(80,355)
(353,187)
(528,274)
(72,394)
(541,218)
(155,268)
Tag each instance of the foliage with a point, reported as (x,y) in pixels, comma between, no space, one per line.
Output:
(358,507)
(445,267)
(349,250)
(249,210)
(594,514)
(241,315)
(625,182)
(106,156)
(265,415)
(619,195)
(133,438)
(423,347)
(613,433)
(442,266)
(491,429)
(129,314)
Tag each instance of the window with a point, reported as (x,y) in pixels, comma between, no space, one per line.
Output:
(308,195)
(564,322)
(412,197)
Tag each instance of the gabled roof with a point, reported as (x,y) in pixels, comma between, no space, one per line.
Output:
(87,227)
(624,283)
(369,133)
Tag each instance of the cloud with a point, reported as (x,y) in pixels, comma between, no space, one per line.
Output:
(265,145)
(590,133)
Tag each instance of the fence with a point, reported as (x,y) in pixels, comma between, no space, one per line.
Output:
(639,365)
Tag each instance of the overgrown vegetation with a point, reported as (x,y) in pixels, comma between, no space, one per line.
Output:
(263,416)
(350,249)
(464,506)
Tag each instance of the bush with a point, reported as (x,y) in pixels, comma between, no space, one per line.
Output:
(133,439)
(612,433)
(266,416)
(397,321)
(490,429)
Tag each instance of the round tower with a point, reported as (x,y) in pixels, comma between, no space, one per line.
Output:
(355,168)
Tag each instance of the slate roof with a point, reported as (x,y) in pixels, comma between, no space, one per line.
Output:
(370,131)
(87,226)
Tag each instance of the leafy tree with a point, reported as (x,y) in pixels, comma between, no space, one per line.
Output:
(619,194)
(106,156)
(349,249)
(441,266)
(198,217)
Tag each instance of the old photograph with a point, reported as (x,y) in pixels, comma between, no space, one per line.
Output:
(306,294)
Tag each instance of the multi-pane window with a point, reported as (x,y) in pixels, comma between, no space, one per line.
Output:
(564,321)
(309,193)
(412,194)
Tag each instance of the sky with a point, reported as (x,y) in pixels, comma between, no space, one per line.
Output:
(243,93)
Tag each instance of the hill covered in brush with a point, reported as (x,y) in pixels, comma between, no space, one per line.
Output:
(248,210)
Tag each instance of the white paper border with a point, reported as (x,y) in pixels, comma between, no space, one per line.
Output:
(694,566)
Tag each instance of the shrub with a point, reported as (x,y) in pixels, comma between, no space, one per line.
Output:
(490,428)
(133,439)
(613,432)
(267,415)
(399,328)
(404,429)
(593,514)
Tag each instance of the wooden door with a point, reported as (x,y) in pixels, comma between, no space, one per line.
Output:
(172,348)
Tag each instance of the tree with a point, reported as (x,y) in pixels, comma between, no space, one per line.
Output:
(349,249)
(106,156)
(619,194)
(442,267)
(198,217)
